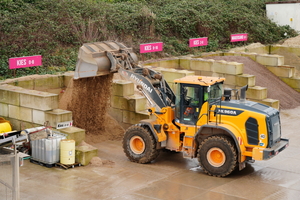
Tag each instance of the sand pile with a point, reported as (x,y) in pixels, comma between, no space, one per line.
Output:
(276,88)
(295,41)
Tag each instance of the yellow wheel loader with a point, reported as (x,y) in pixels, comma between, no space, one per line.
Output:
(200,119)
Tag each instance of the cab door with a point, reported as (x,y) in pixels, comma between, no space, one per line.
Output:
(190,102)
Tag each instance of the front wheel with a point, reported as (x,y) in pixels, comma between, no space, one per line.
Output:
(139,145)
(217,156)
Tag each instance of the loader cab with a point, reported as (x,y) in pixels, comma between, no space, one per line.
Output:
(191,93)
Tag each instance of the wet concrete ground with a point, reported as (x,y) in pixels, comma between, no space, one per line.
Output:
(170,177)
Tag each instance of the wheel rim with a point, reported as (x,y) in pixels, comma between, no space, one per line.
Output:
(137,145)
(216,157)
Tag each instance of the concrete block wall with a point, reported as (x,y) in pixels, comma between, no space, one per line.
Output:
(232,71)
(127,106)
(280,60)
(45,83)
(26,108)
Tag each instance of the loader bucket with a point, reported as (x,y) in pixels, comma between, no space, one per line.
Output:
(97,59)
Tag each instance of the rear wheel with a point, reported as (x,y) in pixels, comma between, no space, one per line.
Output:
(139,145)
(217,156)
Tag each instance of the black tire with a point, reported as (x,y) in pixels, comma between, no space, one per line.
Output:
(139,145)
(217,156)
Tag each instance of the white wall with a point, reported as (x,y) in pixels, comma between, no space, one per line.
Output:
(285,14)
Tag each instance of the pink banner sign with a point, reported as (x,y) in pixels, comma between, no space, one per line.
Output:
(196,42)
(151,47)
(22,62)
(239,37)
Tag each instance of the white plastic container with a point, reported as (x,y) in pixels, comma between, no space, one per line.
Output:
(47,150)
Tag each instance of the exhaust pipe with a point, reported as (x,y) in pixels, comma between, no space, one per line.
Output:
(243,94)
(99,58)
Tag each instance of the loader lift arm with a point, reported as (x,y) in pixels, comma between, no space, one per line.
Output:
(102,58)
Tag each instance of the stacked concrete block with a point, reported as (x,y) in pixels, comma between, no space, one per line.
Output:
(67,78)
(28,108)
(245,79)
(249,55)
(74,133)
(199,64)
(45,83)
(232,53)
(254,48)
(39,100)
(208,54)
(4,109)
(284,71)
(57,115)
(184,62)
(292,82)
(10,94)
(170,63)
(20,113)
(224,67)
(171,74)
(84,154)
(165,63)
(127,107)
(256,92)
(269,102)
(130,117)
(122,88)
(271,60)
(291,49)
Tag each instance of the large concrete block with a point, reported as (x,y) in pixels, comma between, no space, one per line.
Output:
(137,103)
(84,154)
(232,53)
(171,74)
(274,103)
(151,63)
(249,55)
(245,79)
(134,117)
(116,113)
(184,63)
(20,113)
(292,82)
(68,78)
(205,73)
(26,84)
(292,49)
(201,64)
(224,67)
(282,71)
(122,88)
(230,79)
(170,63)
(48,82)
(10,94)
(57,115)
(25,125)
(38,117)
(259,49)
(39,100)
(119,102)
(4,109)
(256,92)
(271,60)
(74,133)
(208,54)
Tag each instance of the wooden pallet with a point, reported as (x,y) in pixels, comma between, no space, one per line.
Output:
(65,166)
(41,163)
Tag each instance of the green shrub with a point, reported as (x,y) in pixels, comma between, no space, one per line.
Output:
(56,29)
